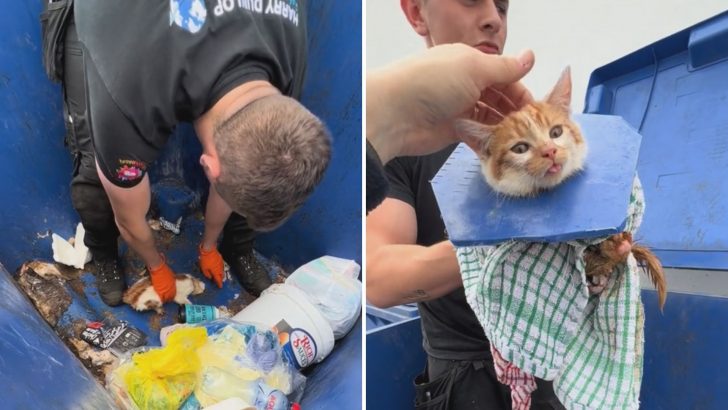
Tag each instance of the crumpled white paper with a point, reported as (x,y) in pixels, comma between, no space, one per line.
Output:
(76,255)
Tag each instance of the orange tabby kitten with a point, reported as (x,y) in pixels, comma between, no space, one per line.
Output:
(533,149)
(537,148)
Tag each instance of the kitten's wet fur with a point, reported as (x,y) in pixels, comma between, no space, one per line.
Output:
(539,147)
(602,259)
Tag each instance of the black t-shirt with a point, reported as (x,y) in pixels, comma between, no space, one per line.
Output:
(449,327)
(155,63)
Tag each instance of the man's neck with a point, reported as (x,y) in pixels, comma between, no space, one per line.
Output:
(232,102)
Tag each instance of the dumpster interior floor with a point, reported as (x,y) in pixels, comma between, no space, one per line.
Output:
(67,298)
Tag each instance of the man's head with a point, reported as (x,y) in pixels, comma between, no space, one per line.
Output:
(477,23)
(272,153)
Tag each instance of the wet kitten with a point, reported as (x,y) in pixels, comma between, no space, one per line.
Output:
(531,150)
(601,259)
(537,148)
(141,295)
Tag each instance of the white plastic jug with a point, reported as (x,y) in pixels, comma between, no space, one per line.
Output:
(304,333)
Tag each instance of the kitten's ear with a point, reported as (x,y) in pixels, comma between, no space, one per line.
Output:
(561,94)
(475,134)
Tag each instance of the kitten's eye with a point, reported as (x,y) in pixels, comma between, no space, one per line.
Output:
(520,148)
(556,131)
(593,249)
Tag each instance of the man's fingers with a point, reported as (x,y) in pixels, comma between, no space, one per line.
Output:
(491,69)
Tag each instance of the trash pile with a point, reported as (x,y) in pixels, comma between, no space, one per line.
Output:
(215,355)
(254,357)
(204,364)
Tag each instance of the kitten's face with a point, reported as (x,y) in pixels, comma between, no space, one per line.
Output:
(533,149)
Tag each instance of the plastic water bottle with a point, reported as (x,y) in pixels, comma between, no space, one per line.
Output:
(221,385)
(198,313)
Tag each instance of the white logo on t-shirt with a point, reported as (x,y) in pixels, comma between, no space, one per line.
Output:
(190,15)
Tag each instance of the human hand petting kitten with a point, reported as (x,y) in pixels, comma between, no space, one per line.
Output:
(412,104)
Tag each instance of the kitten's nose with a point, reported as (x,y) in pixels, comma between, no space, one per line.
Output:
(549,152)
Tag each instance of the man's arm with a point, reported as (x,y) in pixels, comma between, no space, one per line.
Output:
(398,270)
(216,214)
(130,207)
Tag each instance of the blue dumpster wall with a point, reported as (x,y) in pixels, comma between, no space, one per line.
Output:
(394,358)
(675,92)
(36,170)
(330,222)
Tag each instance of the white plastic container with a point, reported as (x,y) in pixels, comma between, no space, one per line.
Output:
(305,335)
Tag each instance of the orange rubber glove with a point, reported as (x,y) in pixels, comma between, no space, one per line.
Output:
(163,281)
(211,265)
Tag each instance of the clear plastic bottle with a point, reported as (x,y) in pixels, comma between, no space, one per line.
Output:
(218,385)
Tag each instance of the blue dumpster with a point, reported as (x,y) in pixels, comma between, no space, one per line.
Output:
(675,92)
(37,369)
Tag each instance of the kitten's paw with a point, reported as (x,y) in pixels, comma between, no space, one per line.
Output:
(597,283)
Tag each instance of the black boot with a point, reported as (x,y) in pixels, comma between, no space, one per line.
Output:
(110,281)
(248,271)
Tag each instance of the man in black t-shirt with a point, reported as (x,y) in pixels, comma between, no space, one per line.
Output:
(409,258)
(134,69)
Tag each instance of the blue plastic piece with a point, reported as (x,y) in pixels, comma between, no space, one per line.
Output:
(378,317)
(590,204)
(684,364)
(707,42)
(675,93)
(173,198)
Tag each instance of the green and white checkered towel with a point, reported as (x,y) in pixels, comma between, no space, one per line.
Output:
(533,303)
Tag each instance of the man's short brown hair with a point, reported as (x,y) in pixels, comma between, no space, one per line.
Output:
(272,152)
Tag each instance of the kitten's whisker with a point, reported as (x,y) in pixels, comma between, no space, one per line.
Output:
(495,98)
(485,114)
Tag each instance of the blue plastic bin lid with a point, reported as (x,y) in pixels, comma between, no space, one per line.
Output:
(675,92)
(590,204)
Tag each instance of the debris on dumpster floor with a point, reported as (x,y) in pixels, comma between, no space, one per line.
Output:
(67,299)
(71,252)
(99,362)
(115,335)
(45,288)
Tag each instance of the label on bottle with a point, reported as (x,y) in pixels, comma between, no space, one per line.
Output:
(200,313)
(298,345)
(270,399)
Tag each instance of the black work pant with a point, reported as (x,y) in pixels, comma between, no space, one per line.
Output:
(87,194)
(461,385)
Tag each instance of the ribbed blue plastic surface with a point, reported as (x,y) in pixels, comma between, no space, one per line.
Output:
(590,204)
(675,92)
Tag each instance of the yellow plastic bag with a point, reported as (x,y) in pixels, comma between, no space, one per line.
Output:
(161,379)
